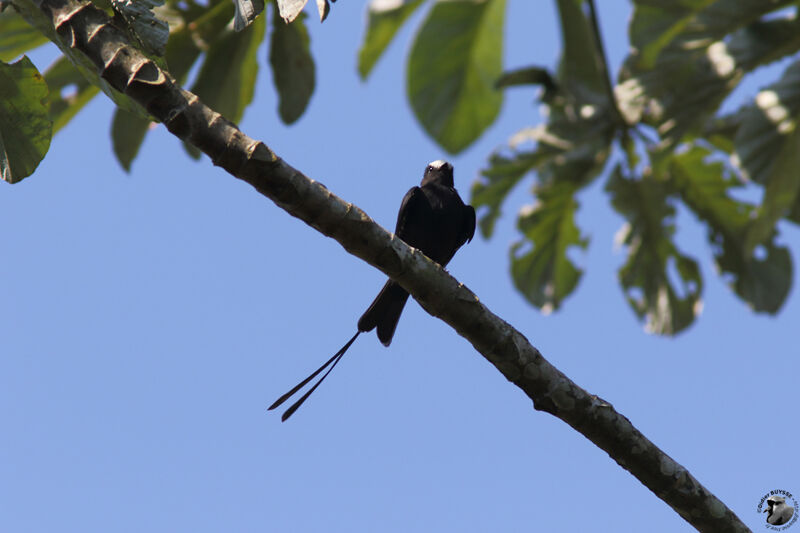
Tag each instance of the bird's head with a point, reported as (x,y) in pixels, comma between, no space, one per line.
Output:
(438,172)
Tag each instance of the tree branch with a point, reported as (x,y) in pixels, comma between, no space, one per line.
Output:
(85,28)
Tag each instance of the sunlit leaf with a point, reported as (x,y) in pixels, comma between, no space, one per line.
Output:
(454,61)
(25,124)
(384,18)
(246,12)
(292,67)
(289,9)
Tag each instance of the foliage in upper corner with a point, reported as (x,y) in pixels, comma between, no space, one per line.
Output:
(675,148)
(199,32)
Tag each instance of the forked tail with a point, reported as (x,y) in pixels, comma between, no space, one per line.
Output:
(333,361)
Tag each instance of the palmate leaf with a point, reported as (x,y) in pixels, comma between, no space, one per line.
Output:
(384,18)
(666,308)
(681,69)
(540,268)
(767,151)
(455,59)
(292,67)
(25,124)
(660,24)
(762,278)
(567,154)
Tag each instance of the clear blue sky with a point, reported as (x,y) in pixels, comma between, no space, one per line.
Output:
(149,319)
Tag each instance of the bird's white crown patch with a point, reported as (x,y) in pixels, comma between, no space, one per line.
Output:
(437,164)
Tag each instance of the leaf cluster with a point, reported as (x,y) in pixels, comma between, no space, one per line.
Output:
(654,133)
(195,41)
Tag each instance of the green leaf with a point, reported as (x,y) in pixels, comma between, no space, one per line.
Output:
(70,91)
(653,259)
(761,277)
(25,124)
(292,67)
(497,181)
(194,34)
(766,149)
(17,36)
(227,78)
(384,18)
(454,61)
(579,68)
(127,134)
(762,282)
(540,268)
(681,69)
(660,24)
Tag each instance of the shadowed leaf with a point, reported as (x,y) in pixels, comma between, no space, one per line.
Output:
(25,124)
(541,270)
(292,67)
(662,285)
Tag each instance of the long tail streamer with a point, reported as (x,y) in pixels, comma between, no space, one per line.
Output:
(333,361)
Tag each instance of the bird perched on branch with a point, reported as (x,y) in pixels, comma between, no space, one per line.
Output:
(433,219)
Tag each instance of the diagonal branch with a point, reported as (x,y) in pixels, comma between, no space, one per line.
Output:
(84,28)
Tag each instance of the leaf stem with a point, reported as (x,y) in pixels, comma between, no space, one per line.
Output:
(601,59)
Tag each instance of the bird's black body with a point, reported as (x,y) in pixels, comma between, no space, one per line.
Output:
(433,219)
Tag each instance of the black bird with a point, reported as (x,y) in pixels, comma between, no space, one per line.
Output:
(433,219)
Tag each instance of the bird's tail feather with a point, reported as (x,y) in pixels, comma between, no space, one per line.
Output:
(384,312)
(388,322)
(334,360)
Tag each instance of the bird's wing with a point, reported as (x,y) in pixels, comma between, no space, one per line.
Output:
(469,223)
(415,218)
